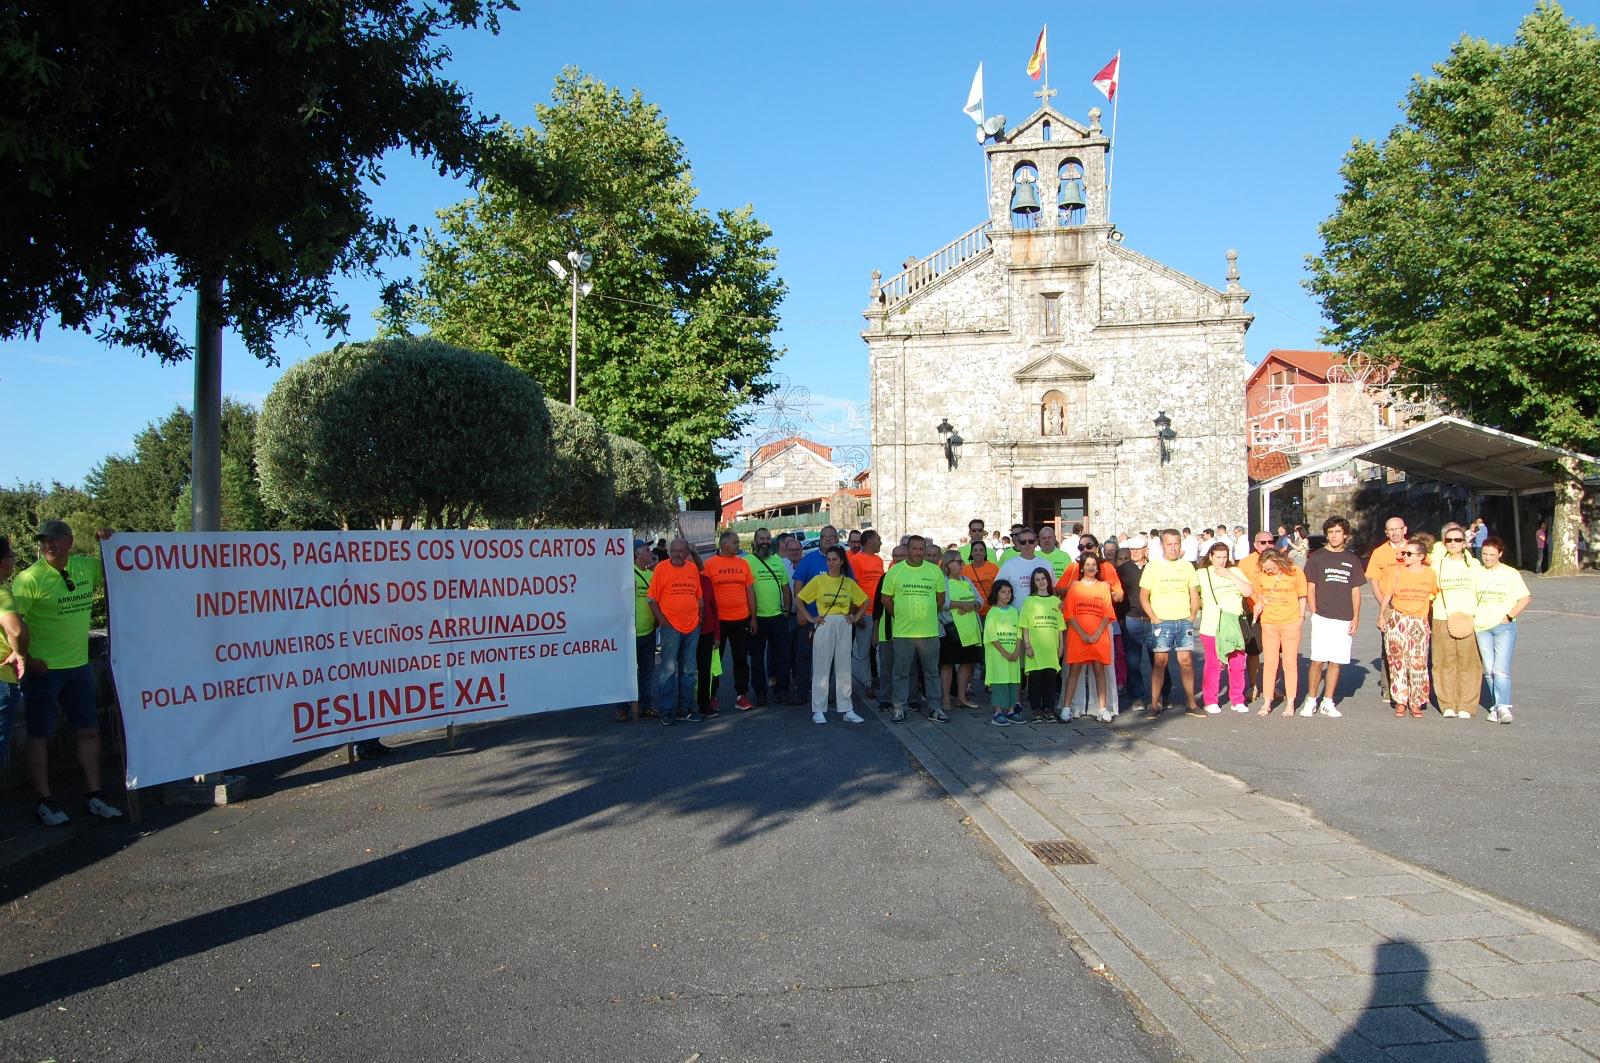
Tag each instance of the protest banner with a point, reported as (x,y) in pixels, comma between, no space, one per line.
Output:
(230,648)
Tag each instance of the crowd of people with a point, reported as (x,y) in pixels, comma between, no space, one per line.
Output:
(1039,628)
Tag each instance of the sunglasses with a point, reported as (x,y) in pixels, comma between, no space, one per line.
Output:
(1027,542)
(68,581)
(1454,539)
(1408,553)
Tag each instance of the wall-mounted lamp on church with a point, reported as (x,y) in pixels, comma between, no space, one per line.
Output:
(1164,435)
(952,440)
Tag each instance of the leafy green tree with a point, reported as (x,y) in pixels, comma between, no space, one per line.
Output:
(678,333)
(145,147)
(403,432)
(1466,246)
(644,502)
(143,491)
(581,484)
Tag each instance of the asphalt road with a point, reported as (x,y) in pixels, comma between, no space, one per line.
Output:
(1508,809)
(561,888)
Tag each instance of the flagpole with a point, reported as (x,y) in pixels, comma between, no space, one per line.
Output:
(1046,95)
(1111,153)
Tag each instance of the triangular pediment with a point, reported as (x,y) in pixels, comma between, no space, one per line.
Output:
(1053,369)
(1029,132)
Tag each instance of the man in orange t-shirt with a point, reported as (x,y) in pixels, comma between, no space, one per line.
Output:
(1380,566)
(868,568)
(675,599)
(733,585)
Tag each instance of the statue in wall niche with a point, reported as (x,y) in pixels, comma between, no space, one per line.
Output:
(1054,415)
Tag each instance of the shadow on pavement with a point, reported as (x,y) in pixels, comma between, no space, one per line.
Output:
(573,767)
(1399,989)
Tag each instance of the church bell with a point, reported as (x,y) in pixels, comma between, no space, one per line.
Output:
(1025,198)
(1071,196)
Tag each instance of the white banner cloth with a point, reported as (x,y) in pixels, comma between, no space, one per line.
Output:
(230,648)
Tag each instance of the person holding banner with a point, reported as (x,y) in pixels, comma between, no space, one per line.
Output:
(54,597)
(13,649)
(644,633)
(676,601)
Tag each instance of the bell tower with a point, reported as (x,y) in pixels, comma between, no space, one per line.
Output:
(1049,175)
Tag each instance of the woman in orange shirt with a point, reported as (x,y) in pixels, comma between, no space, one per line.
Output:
(1089,614)
(1405,600)
(1280,595)
(982,572)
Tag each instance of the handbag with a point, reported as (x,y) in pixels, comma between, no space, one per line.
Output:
(1459,625)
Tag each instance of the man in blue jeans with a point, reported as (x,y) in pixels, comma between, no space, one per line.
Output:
(676,601)
(1135,624)
(54,597)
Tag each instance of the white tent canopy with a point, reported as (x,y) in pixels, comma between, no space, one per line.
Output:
(1450,449)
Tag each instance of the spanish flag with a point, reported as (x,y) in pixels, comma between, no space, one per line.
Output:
(1036,64)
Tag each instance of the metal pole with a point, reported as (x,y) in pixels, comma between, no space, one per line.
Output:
(1516,526)
(205,454)
(1111,149)
(574,368)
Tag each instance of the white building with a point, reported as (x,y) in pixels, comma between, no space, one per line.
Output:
(1018,373)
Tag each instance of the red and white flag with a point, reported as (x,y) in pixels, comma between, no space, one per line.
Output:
(1106,80)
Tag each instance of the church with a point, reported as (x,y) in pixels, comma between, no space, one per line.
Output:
(1037,369)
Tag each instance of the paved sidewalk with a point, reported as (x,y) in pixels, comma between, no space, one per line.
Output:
(1249,929)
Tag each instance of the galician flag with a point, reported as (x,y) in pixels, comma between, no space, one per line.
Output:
(974,107)
(1106,80)
(1036,64)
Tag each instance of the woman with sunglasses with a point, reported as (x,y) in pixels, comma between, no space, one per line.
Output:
(1405,596)
(1457,668)
(1280,596)
(1042,627)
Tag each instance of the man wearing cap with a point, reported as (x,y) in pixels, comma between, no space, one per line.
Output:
(54,597)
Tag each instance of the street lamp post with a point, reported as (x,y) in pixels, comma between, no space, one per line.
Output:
(580,263)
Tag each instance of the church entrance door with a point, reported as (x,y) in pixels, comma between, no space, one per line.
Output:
(1061,507)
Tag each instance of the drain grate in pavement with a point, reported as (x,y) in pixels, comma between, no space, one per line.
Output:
(1060,852)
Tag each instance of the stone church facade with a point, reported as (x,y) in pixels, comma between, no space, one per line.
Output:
(1018,373)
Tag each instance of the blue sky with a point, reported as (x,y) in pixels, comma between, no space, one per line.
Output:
(842,123)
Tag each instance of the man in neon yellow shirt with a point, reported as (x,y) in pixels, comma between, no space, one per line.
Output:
(1057,558)
(644,632)
(1169,593)
(912,594)
(54,596)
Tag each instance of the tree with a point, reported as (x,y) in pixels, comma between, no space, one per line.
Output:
(581,484)
(677,336)
(644,502)
(147,147)
(403,432)
(138,492)
(1466,246)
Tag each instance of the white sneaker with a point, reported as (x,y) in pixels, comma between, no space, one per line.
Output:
(1212,710)
(99,808)
(819,717)
(1505,714)
(1448,714)
(1328,708)
(1236,707)
(1105,716)
(1309,708)
(851,717)
(1065,715)
(50,814)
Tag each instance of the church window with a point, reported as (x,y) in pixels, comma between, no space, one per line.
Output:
(1044,130)
(1025,196)
(1071,198)
(1052,313)
(1053,414)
